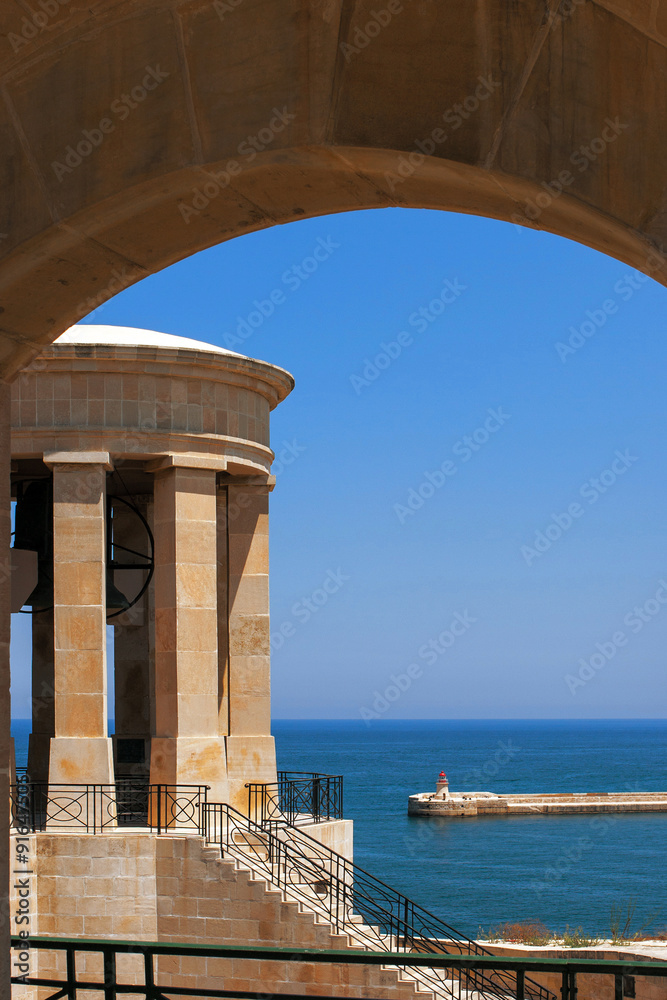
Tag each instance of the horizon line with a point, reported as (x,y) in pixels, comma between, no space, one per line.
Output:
(499,718)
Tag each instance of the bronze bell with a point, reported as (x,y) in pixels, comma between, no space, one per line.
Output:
(33,526)
(34,531)
(116,600)
(41,598)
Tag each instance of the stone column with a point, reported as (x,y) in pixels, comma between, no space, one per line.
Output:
(43,696)
(132,649)
(81,749)
(186,747)
(250,747)
(5,713)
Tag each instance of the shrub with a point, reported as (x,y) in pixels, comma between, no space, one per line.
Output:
(577,938)
(522,932)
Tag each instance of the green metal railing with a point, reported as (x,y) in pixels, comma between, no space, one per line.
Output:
(68,984)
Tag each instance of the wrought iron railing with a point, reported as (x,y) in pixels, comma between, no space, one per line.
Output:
(352,900)
(158,984)
(96,808)
(296,796)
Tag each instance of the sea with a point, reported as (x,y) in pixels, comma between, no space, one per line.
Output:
(480,873)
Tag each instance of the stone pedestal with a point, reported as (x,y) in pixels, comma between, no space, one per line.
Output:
(80,750)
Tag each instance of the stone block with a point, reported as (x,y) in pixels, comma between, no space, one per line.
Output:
(107,867)
(179,906)
(248,510)
(70,925)
(83,579)
(209,908)
(217,930)
(100,886)
(249,635)
(168,886)
(145,866)
(194,543)
(196,584)
(80,628)
(249,594)
(197,629)
(77,540)
(89,906)
(97,926)
(198,676)
(251,715)
(248,554)
(168,965)
(117,905)
(127,926)
(80,715)
(246,931)
(172,928)
(79,760)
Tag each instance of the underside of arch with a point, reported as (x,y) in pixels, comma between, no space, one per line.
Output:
(135,134)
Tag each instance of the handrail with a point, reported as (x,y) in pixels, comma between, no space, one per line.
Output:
(304,795)
(152,989)
(288,775)
(343,892)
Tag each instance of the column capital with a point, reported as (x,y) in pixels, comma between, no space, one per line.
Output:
(52,458)
(214,463)
(262,480)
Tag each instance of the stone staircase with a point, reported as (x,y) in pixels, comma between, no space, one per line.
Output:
(317,893)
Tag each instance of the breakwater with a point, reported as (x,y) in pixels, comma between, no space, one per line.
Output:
(454,806)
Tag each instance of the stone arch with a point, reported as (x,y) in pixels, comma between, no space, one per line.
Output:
(136,134)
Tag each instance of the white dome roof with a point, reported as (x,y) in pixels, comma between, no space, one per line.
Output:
(128,336)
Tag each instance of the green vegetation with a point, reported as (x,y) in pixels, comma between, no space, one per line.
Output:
(521,932)
(577,938)
(534,932)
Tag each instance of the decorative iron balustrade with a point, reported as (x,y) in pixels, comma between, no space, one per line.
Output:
(96,808)
(341,891)
(110,984)
(297,795)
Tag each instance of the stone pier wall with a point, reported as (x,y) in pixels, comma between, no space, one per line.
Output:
(463,804)
(590,986)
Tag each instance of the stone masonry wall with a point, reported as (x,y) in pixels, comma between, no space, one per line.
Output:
(174,889)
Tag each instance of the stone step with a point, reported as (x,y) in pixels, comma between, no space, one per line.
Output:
(355,935)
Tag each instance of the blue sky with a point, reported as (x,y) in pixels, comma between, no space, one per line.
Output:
(424,487)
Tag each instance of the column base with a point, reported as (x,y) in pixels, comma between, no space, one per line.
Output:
(191,760)
(81,760)
(249,758)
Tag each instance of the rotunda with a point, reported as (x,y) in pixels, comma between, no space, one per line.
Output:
(141,474)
